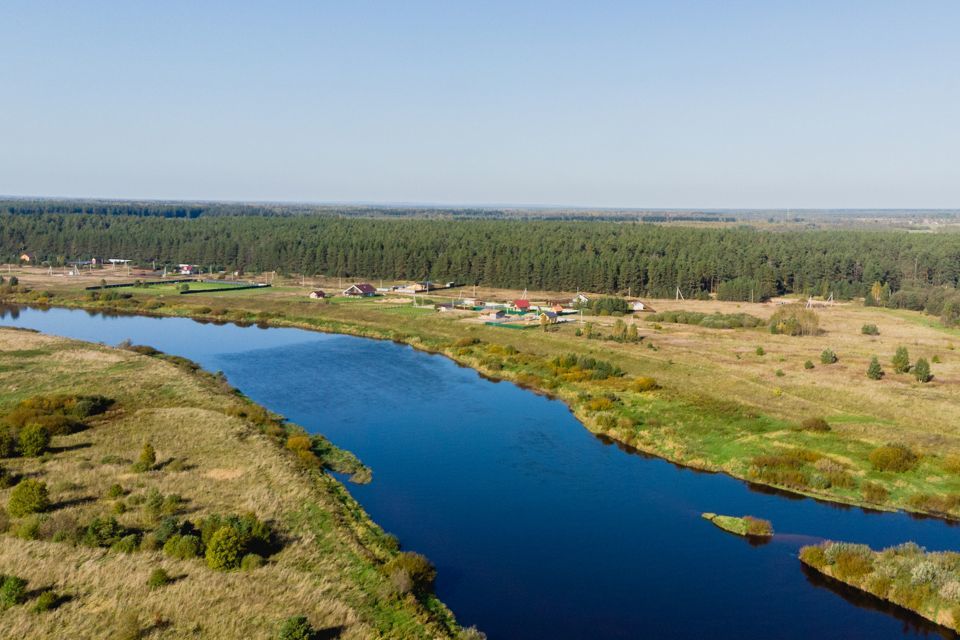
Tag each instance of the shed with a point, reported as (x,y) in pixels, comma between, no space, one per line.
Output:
(317,294)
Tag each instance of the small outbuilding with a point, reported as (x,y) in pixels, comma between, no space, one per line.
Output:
(318,294)
(27,258)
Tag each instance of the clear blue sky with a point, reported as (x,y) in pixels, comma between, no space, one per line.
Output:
(637,104)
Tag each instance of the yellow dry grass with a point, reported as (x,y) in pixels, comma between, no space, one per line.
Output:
(326,569)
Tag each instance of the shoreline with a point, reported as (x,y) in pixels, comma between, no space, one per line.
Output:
(338,327)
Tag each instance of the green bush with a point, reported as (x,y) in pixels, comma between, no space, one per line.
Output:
(29,496)
(874,370)
(103,532)
(182,547)
(870,330)
(760,351)
(115,491)
(158,578)
(34,440)
(827,356)
(126,544)
(808,364)
(225,549)
(296,628)
(46,601)
(815,424)
(13,591)
(875,493)
(8,442)
(893,457)
(251,561)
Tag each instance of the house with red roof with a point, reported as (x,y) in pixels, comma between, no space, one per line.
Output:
(521,305)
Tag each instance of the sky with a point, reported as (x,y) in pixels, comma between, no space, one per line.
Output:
(672,104)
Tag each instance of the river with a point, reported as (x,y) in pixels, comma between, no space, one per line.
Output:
(538,528)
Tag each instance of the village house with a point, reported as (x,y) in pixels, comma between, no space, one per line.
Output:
(360,290)
(521,305)
(27,257)
(580,299)
(636,305)
(494,316)
(318,294)
(188,269)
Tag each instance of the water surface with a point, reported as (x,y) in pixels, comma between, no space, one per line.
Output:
(538,528)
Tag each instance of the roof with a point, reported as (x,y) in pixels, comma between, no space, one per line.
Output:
(318,292)
(363,287)
(521,304)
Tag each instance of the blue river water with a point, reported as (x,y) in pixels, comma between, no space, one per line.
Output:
(538,528)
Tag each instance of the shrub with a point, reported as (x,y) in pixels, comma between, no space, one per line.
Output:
(34,440)
(225,549)
(147,459)
(251,561)
(103,532)
(158,578)
(115,491)
(795,320)
(870,330)
(13,591)
(296,628)
(182,547)
(815,424)
(808,364)
(875,493)
(126,544)
(758,526)
(760,351)
(921,371)
(893,457)
(416,568)
(29,496)
(827,356)
(46,601)
(5,479)
(901,360)
(8,442)
(779,373)
(813,555)
(642,384)
(28,528)
(874,370)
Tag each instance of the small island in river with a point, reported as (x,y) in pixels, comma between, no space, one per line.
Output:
(743,526)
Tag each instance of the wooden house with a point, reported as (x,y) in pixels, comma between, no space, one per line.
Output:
(360,290)
(317,295)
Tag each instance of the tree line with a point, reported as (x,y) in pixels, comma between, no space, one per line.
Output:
(736,263)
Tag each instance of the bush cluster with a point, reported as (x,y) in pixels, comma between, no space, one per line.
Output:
(574,367)
(795,320)
(411,572)
(29,496)
(870,330)
(715,320)
(893,457)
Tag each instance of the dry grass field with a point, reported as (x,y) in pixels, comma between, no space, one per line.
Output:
(327,569)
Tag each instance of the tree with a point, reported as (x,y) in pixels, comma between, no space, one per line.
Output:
(147,459)
(874,371)
(827,356)
(632,332)
(29,496)
(921,371)
(901,360)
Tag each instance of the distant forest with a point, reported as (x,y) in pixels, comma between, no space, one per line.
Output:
(646,259)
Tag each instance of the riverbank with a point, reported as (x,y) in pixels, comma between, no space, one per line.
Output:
(104,529)
(908,576)
(708,414)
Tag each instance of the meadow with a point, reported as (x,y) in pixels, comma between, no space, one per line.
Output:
(115,547)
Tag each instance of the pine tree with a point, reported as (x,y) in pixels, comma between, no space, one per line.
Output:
(874,371)
(921,371)
(901,360)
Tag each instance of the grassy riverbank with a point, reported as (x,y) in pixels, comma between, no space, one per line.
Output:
(89,549)
(926,583)
(740,401)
